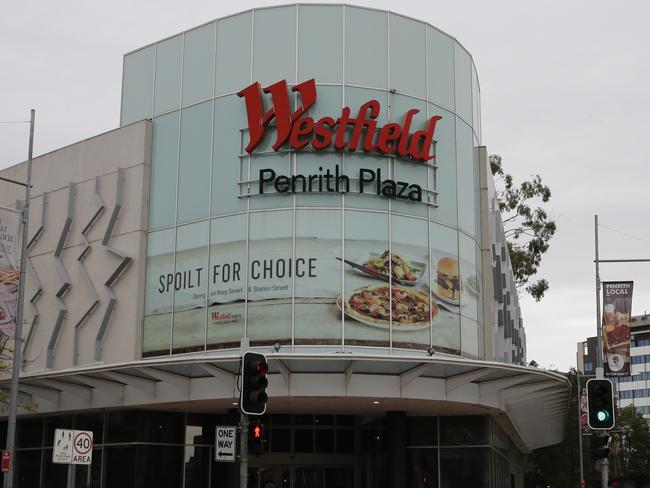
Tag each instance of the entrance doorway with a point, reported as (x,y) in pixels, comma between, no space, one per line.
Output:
(298,476)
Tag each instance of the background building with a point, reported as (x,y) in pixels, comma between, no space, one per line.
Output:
(634,389)
(156,248)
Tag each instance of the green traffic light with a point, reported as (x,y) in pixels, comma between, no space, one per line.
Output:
(602,415)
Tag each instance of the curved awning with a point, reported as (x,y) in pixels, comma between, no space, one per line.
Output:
(529,403)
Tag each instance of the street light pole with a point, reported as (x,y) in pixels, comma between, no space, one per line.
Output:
(18,332)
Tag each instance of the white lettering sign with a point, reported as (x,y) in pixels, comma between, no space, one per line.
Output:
(72,446)
(225,446)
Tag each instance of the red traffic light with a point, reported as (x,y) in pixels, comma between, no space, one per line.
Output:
(262,367)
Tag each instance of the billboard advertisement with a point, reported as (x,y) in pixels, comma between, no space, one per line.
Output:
(9,269)
(617,308)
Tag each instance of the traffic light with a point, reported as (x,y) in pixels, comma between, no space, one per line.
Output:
(253,383)
(600,404)
(600,447)
(256,438)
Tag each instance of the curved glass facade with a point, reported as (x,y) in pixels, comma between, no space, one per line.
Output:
(233,254)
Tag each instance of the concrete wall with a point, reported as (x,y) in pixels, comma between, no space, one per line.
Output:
(88,219)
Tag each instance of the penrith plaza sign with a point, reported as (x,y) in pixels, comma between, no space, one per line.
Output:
(297,130)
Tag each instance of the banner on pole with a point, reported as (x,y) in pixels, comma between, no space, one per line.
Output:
(9,269)
(617,308)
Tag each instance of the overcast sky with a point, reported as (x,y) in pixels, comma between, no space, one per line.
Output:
(564,94)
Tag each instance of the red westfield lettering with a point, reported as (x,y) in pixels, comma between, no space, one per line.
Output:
(300,130)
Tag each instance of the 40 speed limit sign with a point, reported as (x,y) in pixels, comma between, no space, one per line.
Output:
(72,446)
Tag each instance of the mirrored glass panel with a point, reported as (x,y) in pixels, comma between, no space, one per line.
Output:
(318,285)
(190,287)
(469,277)
(137,85)
(271,271)
(198,64)
(445,174)
(463,77)
(408,64)
(275,32)
(445,288)
(164,160)
(366,39)
(195,162)
(365,300)
(227,281)
(412,315)
(467,187)
(233,70)
(318,59)
(168,74)
(440,76)
(159,293)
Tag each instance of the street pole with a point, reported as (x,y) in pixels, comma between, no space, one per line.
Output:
(599,325)
(243,451)
(18,332)
(582,473)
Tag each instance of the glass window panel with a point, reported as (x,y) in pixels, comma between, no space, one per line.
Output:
(411,172)
(469,277)
(476,103)
(463,77)
(270,277)
(94,422)
(28,469)
(195,162)
(197,466)
(464,467)
(345,441)
(445,174)
(324,440)
(366,39)
(423,468)
(407,56)
(440,68)
(84,479)
(323,190)
(466,178)
(29,433)
(190,285)
(303,440)
(329,102)
(149,461)
(226,163)
(411,304)
(156,338)
(275,28)
(168,74)
(366,235)
(318,245)
(281,164)
(137,85)
(162,194)
(463,431)
(198,64)
(50,425)
(54,474)
(280,440)
(444,258)
(422,431)
(469,337)
(233,71)
(122,426)
(227,278)
(318,59)
(120,466)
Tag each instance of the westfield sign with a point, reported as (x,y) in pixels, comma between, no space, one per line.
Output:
(344,132)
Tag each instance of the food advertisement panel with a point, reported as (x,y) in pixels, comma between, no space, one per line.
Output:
(9,269)
(314,287)
(617,308)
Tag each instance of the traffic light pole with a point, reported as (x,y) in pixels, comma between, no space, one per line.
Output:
(243,451)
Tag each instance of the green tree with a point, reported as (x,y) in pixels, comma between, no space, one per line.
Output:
(633,447)
(527,226)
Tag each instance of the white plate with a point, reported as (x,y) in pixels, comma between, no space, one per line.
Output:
(408,327)
(445,299)
(418,266)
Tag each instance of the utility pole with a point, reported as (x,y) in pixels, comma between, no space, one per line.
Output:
(18,331)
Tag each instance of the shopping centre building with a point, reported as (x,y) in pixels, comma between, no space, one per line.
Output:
(307,181)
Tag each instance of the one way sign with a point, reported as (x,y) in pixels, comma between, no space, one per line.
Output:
(225,446)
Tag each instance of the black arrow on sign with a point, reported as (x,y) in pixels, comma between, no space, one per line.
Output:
(226,454)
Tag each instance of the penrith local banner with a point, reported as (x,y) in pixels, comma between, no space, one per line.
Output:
(617,308)
(9,262)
